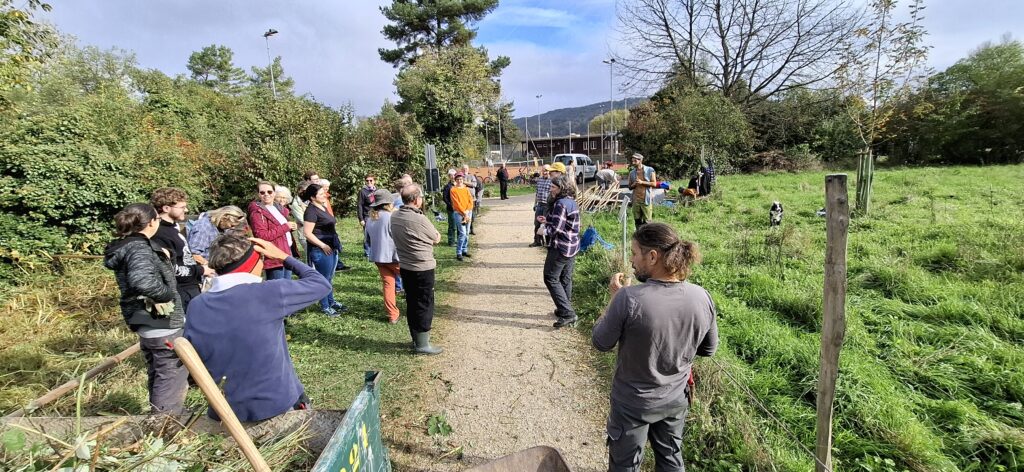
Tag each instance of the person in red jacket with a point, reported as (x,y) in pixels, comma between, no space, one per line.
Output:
(269,221)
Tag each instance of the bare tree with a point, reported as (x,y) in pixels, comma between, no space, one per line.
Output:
(748,49)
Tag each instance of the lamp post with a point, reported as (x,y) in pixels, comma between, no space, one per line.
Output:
(266,37)
(538,124)
(611,102)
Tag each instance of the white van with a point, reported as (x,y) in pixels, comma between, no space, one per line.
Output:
(585,168)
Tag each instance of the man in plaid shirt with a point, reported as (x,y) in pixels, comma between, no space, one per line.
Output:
(562,228)
(540,206)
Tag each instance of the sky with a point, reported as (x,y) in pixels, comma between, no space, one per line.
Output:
(330,47)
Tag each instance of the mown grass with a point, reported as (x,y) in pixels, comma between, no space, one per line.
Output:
(932,370)
(58,325)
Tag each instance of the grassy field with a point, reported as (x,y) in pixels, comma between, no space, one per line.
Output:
(932,371)
(56,326)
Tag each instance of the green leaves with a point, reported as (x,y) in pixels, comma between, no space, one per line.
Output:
(437,426)
(13,440)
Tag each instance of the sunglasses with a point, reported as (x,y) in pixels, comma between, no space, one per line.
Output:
(266,192)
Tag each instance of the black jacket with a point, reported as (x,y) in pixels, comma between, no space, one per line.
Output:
(363,202)
(142,270)
(446,195)
(186,271)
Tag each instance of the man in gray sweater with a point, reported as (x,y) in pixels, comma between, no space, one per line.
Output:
(659,326)
(415,237)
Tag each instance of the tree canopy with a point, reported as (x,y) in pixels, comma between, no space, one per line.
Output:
(418,24)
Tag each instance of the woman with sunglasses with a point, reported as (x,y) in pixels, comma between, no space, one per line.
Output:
(322,243)
(270,222)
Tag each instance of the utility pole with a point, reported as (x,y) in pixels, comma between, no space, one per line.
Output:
(611,103)
(266,37)
(538,123)
(551,138)
(570,136)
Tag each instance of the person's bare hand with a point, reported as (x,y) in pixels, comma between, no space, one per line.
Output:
(292,225)
(208,272)
(616,283)
(541,219)
(200,259)
(268,249)
(327,249)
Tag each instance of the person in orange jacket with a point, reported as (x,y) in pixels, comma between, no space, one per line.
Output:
(462,202)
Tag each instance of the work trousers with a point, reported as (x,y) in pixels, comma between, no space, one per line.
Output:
(389,277)
(419,299)
(187,293)
(451,228)
(167,376)
(628,429)
(503,184)
(558,279)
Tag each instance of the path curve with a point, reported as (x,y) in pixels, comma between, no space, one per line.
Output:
(508,380)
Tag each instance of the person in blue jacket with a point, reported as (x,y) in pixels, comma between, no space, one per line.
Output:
(237,326)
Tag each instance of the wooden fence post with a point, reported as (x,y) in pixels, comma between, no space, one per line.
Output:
(837,214)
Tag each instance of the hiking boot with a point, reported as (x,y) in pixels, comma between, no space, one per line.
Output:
(422,344)
(565,322)
(340,308)
(535,244)
(466,254)
(458,258)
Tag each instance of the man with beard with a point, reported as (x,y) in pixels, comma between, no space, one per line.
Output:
(659,326)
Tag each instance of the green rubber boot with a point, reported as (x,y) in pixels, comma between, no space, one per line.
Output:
(423,344)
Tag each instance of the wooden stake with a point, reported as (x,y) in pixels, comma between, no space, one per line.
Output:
(837,213)
(197,369)
(62,390)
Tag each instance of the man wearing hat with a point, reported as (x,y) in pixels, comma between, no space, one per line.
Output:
(462,202)
(237,326)
(540,205)
(642,181)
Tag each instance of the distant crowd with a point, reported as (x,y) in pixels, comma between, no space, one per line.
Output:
(227,280)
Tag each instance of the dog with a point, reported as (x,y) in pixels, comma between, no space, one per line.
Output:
(775,214)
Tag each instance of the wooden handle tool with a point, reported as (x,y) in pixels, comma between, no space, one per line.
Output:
(197,369)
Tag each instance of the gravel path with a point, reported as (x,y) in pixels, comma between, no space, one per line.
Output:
(507,380)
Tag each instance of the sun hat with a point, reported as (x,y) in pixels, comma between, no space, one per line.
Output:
(382,197)
(558,167)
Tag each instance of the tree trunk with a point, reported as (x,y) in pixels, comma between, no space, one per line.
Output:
(865,179)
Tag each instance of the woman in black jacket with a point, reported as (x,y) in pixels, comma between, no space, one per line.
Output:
(149,302)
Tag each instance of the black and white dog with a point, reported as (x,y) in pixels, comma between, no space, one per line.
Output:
(775,214)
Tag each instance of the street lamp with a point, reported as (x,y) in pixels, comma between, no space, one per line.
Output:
(266,37)
(501,140)
(611,102)
(539,124)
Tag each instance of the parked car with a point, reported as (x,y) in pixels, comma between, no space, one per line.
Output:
(585,168)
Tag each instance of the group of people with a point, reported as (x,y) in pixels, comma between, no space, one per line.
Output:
(228,284)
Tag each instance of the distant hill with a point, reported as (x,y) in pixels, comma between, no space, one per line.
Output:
(556,122)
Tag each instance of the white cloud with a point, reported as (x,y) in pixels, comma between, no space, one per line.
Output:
(533,17)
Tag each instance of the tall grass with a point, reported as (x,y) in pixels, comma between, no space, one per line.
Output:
(932,370)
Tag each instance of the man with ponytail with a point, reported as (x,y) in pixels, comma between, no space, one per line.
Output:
(659,325)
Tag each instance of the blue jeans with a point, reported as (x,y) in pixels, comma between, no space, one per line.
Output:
(398,284)
(462,240)
(325,265)
(278,273)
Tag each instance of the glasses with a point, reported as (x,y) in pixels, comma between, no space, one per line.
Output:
(266,192)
